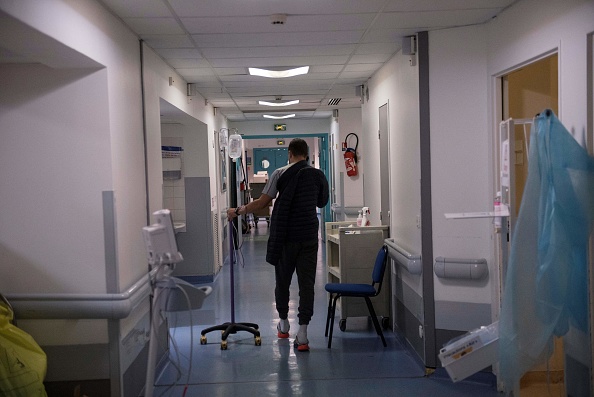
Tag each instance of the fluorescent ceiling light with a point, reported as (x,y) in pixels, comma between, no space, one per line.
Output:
(277,74)
(295,102)
(288,116)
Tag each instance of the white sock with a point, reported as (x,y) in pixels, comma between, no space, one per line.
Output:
(284,325)
(302,334)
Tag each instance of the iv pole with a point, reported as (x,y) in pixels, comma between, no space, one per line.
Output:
(232,327)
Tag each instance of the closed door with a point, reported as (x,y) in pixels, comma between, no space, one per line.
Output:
(269,159)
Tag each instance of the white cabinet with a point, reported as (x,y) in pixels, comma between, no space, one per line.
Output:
(350,257)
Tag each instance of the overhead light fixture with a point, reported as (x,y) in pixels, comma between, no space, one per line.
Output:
(265,103)
(279,74)
(288,116)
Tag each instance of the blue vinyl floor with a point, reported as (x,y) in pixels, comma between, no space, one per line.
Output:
(356,365)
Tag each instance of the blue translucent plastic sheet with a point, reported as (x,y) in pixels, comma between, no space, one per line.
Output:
(546,287)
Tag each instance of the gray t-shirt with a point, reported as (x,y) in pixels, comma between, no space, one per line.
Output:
(270,187)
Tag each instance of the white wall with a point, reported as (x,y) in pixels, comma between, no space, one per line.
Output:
(397,84)
(83,130)
(534,28)
(54,164)
(117,94)
(461,161)
(348,121)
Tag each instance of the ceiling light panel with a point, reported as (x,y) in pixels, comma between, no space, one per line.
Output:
(288,103)
(279,74)
(287,116)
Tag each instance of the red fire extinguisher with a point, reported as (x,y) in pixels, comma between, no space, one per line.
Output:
(350,156)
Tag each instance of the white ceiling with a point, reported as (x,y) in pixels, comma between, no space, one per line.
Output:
(211,43)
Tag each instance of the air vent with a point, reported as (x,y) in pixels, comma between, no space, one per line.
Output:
(334,101)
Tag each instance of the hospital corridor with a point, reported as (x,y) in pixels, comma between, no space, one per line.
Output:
(356,365)
(166,164)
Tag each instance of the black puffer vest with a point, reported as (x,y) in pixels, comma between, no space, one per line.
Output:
(301,189)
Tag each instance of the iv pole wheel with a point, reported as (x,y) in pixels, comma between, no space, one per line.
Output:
(223,345)
(258,341)
(342,325)
(203,340)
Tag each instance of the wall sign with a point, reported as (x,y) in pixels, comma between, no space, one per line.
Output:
(280,127)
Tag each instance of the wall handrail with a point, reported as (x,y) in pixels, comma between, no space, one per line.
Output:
(411,262)
(81,305)
(461,268)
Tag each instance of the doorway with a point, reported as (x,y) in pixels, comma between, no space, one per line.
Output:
(269,159)
(525,92)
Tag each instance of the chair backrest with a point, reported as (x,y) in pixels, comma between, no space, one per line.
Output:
(380,266)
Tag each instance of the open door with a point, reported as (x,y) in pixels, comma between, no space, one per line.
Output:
(525,92)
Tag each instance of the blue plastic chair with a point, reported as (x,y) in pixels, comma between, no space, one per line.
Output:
(366,291)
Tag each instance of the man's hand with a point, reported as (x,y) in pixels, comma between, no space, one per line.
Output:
(231,213)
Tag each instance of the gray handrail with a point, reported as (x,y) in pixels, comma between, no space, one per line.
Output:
(80,305)
(409,261)
(460,268)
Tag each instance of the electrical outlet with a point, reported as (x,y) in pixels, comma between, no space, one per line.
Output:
(418,221)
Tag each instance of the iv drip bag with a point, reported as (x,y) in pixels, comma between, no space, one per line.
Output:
(235,145)
(223,140)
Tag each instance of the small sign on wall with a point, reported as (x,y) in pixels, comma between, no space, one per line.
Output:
(280,127)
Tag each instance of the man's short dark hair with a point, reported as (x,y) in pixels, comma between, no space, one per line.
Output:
(298,147)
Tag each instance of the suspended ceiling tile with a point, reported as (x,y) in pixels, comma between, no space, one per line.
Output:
(433,19)
(363,67)
(189,8)
(193,78)
(262,24)
(370,58)
(275,51)
(378,48)
(296,80)
(352,75)
(388,35)
(168,53)
(280,62)
(326,68)
(231,71)
(281,39)
(154,26)
(184,63)
(168,41)
(428,5)
(197,72)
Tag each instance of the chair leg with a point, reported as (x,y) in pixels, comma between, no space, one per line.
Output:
(332,320)
(376,323)
(328,314)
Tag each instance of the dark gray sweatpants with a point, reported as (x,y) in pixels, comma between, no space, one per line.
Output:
(301,258)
